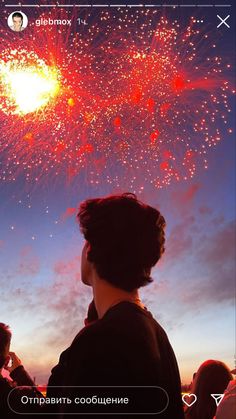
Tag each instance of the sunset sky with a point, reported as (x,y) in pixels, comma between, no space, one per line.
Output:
(192,296)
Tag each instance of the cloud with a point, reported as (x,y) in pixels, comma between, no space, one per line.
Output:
(47,313)
(198,269)
(213,281)
(28,263)
(183,199)
(205,210)
(180,239)
(69,212)
(68,267)
(190,193)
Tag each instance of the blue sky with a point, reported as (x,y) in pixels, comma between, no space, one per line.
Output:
(192,295)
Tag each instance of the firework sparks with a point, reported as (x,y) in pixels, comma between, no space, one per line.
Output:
(136,103)
(26,88)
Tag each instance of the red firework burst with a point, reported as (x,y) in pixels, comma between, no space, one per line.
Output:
(125,99)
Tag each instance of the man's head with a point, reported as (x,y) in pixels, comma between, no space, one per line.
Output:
(17,19)
(124,240)
(5,339)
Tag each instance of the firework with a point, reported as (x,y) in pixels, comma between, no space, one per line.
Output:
(27,87)
(125,101)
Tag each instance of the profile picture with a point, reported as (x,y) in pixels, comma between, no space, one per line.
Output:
(17,21)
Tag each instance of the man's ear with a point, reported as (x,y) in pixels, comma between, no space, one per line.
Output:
(87,250)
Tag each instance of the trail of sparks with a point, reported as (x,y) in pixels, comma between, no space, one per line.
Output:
(127,100)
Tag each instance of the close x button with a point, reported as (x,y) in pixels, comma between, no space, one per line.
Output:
(223,21)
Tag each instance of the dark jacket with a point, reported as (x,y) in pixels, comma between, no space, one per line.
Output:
(127,347)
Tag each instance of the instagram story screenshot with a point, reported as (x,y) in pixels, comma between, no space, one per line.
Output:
(117,209)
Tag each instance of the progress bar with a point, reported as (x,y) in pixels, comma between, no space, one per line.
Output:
(118,5)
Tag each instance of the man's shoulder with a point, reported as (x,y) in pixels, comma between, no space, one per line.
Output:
(122,322)
(90,332)
(134,318)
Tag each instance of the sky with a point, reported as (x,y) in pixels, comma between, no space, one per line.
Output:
(192,295)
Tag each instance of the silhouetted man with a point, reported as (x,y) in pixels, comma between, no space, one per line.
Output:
(121,344)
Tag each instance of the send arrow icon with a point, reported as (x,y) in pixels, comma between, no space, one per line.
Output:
(217,398)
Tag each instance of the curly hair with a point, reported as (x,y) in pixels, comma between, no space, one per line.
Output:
(126,238)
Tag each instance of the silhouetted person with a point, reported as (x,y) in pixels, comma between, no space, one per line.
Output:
(19,376)
(121,344)
(212,377)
